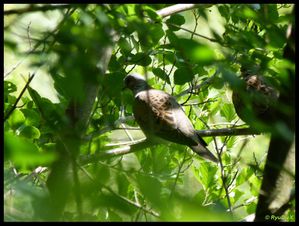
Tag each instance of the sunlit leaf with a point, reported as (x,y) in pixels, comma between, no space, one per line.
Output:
(16,119)
(24,153)
(30,132)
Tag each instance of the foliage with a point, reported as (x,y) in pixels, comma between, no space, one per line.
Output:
(161,183)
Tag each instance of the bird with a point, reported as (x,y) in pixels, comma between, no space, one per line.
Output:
(161,117)
(255,100)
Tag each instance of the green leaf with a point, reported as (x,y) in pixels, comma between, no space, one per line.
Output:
(272,14)
(23,153)
(54,114)
(183,75)
(161,74)
(227,111)
(175,19)
(9,87)
(114,64)
(217,83)
(16,119)
(30,132)
(32,117)
(172,37)
(202,55)
(151,13)
(251,208)
(150,188)
(205,174)
(115,83)
(234,81)
(135,43)
(141,59)
(114,202)
(238,194)
(169,58)
(194,51)
(124,45)
(156,32)
(276,37)
(243,176)
(11,44)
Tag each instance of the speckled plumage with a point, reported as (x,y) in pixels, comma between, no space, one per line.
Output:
(160,116)
(255,101)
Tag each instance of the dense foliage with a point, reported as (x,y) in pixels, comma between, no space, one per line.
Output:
(52,149)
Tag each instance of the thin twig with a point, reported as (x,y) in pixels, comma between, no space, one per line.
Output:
(234,177)
(223,177)
(28,35)
(196,16)
(130,201)
(194,33)
(198,103)
(137,205)
(207,81)
(70,12)
(178,173)
(190,95)
(19,97)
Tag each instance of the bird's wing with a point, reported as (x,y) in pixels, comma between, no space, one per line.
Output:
(158,113)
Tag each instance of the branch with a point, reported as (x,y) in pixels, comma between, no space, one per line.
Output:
(84,159)
(34,8)
(207,81)
(194,33)
(134,147)
(18,99)
(227,132)
(136,205)
(68,14)
(233,131)
(178,8)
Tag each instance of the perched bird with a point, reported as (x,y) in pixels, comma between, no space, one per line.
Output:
(254,101)
(160,116)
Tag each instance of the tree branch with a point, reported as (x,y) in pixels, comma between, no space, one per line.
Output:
(277,184)
(194,33)
(178,8)
(33,8)
(227,132)
(134,147)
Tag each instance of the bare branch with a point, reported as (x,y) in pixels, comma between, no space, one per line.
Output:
(178,8)
(142,144)
(194,33)
(34,8)
(115,152)
(227,132)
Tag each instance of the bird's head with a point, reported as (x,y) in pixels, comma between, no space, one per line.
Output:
(136,83)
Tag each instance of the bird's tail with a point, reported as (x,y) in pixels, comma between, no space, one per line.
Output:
(204,152)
